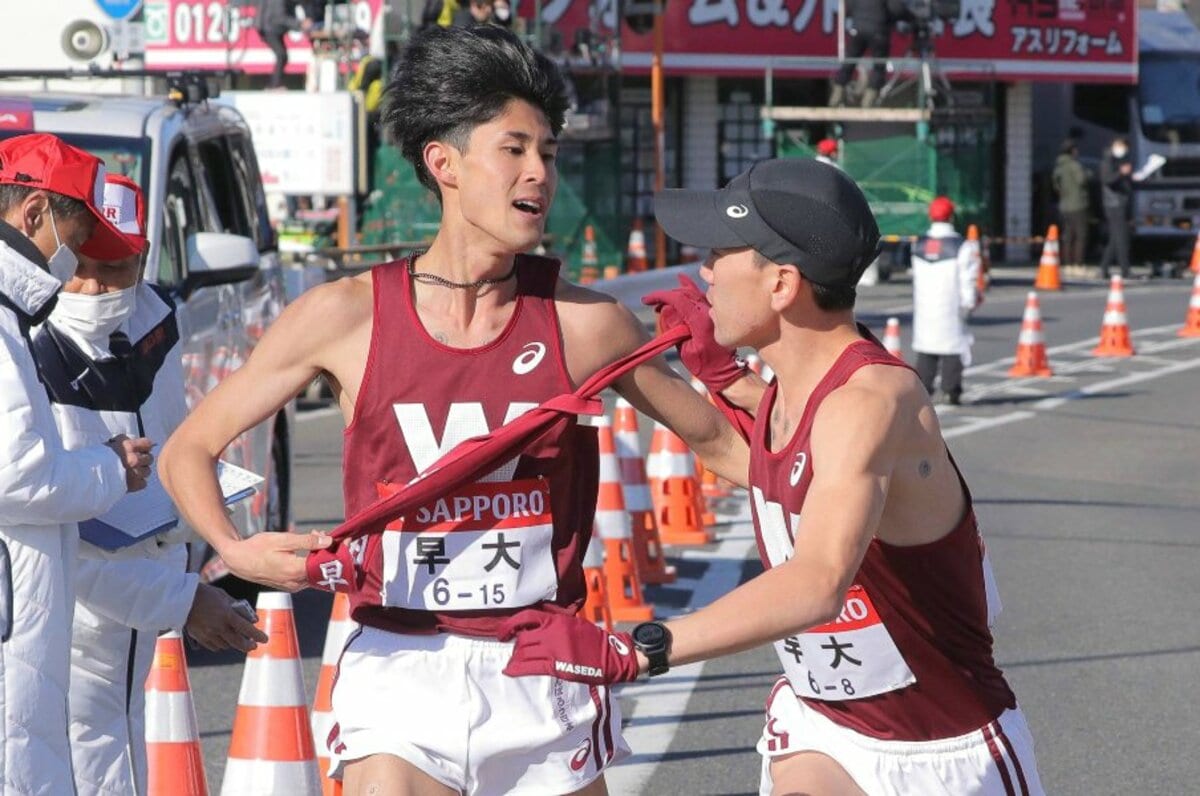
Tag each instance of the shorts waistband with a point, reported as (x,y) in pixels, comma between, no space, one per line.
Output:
(437,641)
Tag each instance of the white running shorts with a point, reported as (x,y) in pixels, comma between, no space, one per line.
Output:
(995,760)
(443,703)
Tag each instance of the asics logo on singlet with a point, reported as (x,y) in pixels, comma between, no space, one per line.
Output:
(531,355)
(737,211)
(620,646)
(566,667)
(798,468)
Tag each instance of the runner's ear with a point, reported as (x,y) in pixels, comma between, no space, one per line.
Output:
(439,160)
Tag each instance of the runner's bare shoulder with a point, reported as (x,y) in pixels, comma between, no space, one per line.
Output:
(597,329)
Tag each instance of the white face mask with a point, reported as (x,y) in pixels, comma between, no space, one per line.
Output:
(63,262)
(94,317)
(1119,151)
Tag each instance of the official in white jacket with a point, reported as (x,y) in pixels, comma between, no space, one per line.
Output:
(109,355)
(49,209)
(944,274)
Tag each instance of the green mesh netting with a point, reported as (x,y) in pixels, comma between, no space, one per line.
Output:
(403,210)
(900,175)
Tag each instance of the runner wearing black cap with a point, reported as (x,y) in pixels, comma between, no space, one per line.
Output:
(878,592)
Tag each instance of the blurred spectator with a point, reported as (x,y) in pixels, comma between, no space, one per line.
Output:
(439,12)
(1116,186)
(274,19)
(944,276)
(484,12)
(869,25)
(1070,183)
(827,151)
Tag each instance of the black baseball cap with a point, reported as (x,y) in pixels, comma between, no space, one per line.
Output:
(793,211)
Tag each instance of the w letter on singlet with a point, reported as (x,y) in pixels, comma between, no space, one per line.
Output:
(465,420)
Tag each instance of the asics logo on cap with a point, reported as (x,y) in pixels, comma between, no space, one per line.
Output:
(798,468)
(737,211)
(531,355)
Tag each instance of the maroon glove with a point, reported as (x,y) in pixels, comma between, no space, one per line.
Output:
(716,366)
(569,648)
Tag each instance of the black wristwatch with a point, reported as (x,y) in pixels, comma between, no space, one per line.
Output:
(653,640)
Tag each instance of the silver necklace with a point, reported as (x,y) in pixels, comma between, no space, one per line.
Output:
(434,279)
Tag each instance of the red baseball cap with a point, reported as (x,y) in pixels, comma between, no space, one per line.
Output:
(827,147)
(125,208)
(48,163)
(941,209)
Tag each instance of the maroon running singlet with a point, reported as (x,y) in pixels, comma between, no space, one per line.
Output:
(910,656)
(513,540)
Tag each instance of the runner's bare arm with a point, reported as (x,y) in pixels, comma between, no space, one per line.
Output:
(296,348)
(841,514)
(597,330)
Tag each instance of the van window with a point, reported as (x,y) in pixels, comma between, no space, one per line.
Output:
(181,217)
(1102,105)
(221,182)
(249,181)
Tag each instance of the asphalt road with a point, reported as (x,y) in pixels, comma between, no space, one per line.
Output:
(1086,489)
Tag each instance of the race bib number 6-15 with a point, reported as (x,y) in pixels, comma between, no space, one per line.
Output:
(486,546)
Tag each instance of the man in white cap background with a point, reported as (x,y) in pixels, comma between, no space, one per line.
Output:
(109,355)
(50,197)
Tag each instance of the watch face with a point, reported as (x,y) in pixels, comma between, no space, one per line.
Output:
(649,634)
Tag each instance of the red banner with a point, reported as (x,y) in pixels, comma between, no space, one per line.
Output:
(1063,40)
(217,34)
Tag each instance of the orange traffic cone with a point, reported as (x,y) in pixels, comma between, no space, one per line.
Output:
(1191,326)
(613,526)
(1114,330)
(635,255)
(272,746)
(338,631)
(647,547)
(891,338)
(1047,274)
(174,762)
(596,608)
(589,263)
(1195,264)
(672,474)
(1031,346)
(705,477)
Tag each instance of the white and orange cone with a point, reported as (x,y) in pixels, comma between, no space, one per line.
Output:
(1115,340)
(891,338)
(1047,274)
(272,748)
(613,527)
(174,761)
(595,607)
(1191,324)
(1031,345)
(647,547)
(673,488)
(635,253)
(340,627)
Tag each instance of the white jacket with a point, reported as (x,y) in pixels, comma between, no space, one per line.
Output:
(944,273)
(124,597)
(43,492)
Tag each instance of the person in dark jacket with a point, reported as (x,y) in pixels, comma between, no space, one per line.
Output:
(1070,183)
(1116,187)
(869,23)
(277,18)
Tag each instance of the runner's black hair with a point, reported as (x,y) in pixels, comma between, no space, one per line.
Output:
(451,80)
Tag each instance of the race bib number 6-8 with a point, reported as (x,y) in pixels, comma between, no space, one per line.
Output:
(851,657)
(486,546)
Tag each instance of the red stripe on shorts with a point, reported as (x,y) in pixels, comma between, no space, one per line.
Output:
(608,726)
(595,694)
(989,734)
(1012,755)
